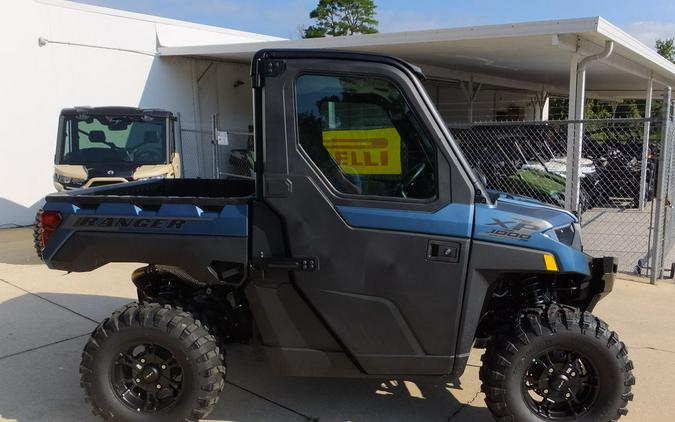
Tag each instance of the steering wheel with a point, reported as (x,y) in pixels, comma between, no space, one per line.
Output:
(145,155)
(410,177)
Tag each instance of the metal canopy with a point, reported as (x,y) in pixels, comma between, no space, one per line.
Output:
(532,55)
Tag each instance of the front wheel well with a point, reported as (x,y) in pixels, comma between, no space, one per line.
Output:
(515,291)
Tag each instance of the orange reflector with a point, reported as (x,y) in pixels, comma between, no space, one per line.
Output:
(549,261)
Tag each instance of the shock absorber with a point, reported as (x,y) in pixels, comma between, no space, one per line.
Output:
(535,292)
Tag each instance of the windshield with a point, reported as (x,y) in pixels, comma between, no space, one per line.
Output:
(94,139)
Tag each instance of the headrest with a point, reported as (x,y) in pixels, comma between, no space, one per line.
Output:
(97,136)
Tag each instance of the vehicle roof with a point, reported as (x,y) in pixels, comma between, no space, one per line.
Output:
(116,110)
(297,53)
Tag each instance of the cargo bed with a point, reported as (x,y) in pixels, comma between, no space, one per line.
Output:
(196,225)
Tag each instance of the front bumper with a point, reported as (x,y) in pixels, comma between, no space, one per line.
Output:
(601,283)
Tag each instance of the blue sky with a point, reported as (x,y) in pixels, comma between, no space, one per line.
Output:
(647,20)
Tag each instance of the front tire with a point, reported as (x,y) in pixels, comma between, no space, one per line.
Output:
(149,362)
(557,363)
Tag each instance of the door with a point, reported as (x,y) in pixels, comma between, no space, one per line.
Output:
(365,180)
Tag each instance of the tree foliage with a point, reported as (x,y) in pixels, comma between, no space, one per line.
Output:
(342,17)
(666,48)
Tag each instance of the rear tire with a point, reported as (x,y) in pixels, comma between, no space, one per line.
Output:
(37,243)
(557,364)
(148,362)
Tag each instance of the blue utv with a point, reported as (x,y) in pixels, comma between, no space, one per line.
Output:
(366,246)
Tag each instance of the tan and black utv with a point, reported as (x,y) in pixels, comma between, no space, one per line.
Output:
(103,145)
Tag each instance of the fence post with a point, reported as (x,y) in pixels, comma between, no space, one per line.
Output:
(660,202)
(178,141)
(214,144)
(645,143)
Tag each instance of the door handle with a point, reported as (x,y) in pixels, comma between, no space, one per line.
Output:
(443,251)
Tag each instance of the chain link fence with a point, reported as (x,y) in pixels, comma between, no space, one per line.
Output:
(189,142)
(617,175)
(669,230)
(668,252)
(234,158)
(217,153)
(664,232)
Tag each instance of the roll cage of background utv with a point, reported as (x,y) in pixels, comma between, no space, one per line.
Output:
(365,247)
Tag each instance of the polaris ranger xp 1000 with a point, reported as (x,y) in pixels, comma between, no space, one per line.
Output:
(366,246)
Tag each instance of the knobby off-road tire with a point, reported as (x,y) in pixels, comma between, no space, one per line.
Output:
(512,358)
(175,352)
(36,237)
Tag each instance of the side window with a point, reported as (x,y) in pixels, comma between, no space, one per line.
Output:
(363,136)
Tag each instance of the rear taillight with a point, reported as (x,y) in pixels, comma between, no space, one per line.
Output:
(49,221)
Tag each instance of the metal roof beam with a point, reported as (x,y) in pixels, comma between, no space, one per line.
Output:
(437,72)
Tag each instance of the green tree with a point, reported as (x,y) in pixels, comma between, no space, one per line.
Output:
(666,48)
(342,17)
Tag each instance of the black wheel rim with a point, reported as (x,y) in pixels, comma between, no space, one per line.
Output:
(147,378)
(560,385)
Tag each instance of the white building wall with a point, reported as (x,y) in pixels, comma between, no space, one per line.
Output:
(92,56)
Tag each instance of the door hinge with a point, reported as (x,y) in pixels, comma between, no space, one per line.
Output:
(268,68)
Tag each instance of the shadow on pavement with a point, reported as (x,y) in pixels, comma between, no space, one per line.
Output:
(344,399)
(16,247)
(41,339)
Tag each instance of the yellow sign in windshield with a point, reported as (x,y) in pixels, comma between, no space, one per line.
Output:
(366,151)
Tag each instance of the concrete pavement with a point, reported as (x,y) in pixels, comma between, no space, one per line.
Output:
(46,317)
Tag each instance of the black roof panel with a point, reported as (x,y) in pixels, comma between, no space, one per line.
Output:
(116,110)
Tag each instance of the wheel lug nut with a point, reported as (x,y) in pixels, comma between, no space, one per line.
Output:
(138,380)
(163,366)
(142,360)
(568,395)
(574,374)
(551,370)
(159,386)
(546,391)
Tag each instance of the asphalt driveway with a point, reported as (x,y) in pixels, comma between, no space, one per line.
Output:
(46,317)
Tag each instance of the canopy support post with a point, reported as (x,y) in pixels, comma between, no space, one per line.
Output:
(471,90)
(645,143)
(575,132)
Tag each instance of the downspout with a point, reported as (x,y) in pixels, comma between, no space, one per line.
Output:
(645,142)
(574,180)
(609,49)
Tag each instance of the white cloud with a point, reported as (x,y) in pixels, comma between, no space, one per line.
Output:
(650,31)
